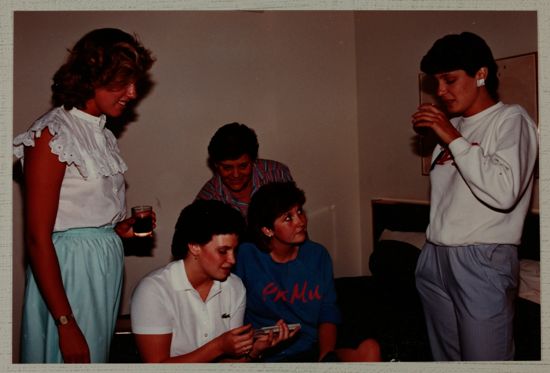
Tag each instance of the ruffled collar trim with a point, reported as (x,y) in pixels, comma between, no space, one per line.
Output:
(78,138)
(98,122)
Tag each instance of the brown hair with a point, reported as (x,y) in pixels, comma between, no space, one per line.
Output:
(106,57)
(200,221)
(267,204)
(465,51)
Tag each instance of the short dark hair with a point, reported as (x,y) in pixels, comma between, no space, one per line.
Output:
(466,51)
(230,142)
(201,220)
(101,58)
(267,204)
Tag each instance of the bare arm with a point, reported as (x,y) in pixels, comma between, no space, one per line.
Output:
(233,343)
(327,338)
(43,175)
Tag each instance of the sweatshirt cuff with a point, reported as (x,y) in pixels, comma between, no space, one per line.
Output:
(458,146)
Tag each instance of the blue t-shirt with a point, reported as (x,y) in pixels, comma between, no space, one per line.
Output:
(300,291)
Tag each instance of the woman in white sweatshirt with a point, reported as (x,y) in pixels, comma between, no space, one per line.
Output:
(481,184)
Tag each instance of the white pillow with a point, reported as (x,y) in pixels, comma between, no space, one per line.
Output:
(416,239)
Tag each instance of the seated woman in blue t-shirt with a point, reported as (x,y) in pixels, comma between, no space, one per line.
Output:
(289,277)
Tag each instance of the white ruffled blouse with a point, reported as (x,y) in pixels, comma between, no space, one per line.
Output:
(93,188)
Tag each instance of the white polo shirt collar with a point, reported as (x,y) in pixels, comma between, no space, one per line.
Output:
(180,282)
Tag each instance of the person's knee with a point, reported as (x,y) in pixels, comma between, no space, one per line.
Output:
(370,350)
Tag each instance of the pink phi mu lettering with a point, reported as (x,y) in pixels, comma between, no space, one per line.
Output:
(298,293)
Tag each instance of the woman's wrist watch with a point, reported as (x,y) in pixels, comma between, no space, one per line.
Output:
(64,319)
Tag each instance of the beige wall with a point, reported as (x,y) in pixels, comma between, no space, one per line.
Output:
(328,93)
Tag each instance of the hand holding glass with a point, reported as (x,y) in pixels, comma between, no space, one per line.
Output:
(143,225)
(422,131)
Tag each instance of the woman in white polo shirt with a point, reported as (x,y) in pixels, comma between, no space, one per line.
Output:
(192,309)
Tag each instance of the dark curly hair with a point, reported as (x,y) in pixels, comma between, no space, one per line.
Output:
(201,220)
(230,142)
(267,204)
(106,57)
(465,51)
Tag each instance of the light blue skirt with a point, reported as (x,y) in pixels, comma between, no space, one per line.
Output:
(91,262)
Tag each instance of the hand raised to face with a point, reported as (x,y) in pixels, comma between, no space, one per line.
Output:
(430,117)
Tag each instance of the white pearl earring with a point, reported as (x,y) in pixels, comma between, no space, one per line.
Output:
(480,82)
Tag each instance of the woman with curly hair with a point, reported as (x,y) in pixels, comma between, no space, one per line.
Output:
(75,204)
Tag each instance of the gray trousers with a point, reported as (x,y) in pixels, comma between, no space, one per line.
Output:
(468,294)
